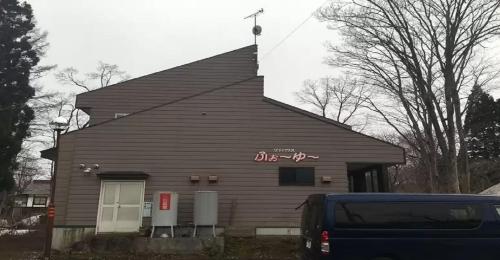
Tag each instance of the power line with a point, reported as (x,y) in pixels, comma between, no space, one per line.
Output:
(293,31)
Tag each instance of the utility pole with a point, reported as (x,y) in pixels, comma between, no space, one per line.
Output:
(256,30)
(59,124)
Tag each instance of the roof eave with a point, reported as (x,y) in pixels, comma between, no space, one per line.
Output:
(49,154)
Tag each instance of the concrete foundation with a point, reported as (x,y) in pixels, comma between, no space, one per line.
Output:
(84,238)
(178,246)
(269,231)
(181,231)
(238,231)
(65,237)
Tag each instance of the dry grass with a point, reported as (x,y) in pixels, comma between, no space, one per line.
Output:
(30,247)
(22,247)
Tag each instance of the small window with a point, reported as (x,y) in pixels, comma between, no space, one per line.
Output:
(399,215)
(21,201)
(296,176)
(39,201)
(118,115)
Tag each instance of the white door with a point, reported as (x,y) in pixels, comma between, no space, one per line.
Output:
(120,206)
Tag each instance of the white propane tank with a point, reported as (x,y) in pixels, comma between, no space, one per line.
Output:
(205,210)
(164,212)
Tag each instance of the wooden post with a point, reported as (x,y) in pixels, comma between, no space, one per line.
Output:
(51,208)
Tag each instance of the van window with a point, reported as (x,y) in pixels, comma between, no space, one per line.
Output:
(306,218)
(311,218)
(410,215)
(497,207)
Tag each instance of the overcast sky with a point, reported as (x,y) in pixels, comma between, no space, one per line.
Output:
(143,37)
(147,36)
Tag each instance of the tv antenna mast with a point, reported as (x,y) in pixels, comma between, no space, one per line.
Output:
(256,30)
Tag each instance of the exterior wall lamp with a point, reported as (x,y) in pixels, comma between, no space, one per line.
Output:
(89,170)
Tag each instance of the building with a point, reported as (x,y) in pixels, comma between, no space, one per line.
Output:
(175,129)
(33,200)
(34,196)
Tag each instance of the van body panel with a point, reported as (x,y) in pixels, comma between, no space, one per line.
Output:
(311,225)
(480,241)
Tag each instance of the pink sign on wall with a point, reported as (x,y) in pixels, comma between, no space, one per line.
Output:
(262,156)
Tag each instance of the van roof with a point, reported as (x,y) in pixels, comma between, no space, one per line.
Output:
(410,197)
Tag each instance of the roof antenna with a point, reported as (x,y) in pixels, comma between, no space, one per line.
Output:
(256,30)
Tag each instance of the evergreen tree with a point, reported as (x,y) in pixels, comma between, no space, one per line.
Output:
(17,58)
(482,125)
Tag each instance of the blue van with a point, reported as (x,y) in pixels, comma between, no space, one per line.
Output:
(388,226)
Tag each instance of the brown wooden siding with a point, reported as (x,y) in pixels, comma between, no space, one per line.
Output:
(216,133)
(164,86)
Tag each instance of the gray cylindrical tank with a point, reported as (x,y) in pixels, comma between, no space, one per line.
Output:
(205,208)
(164,212)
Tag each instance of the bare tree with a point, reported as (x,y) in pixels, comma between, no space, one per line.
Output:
(49,105)
(105,75)
(414,176)
(338,98)
(30,167)
(46,106)
(317,94)
(420,56)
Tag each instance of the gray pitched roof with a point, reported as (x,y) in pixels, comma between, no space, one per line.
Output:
(38,187)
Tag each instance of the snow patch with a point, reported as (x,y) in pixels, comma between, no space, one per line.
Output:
(14,232)
(31,221)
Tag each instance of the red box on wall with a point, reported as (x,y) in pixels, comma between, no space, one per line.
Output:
(165,201)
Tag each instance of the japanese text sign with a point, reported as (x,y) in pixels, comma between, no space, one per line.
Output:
(262,156)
